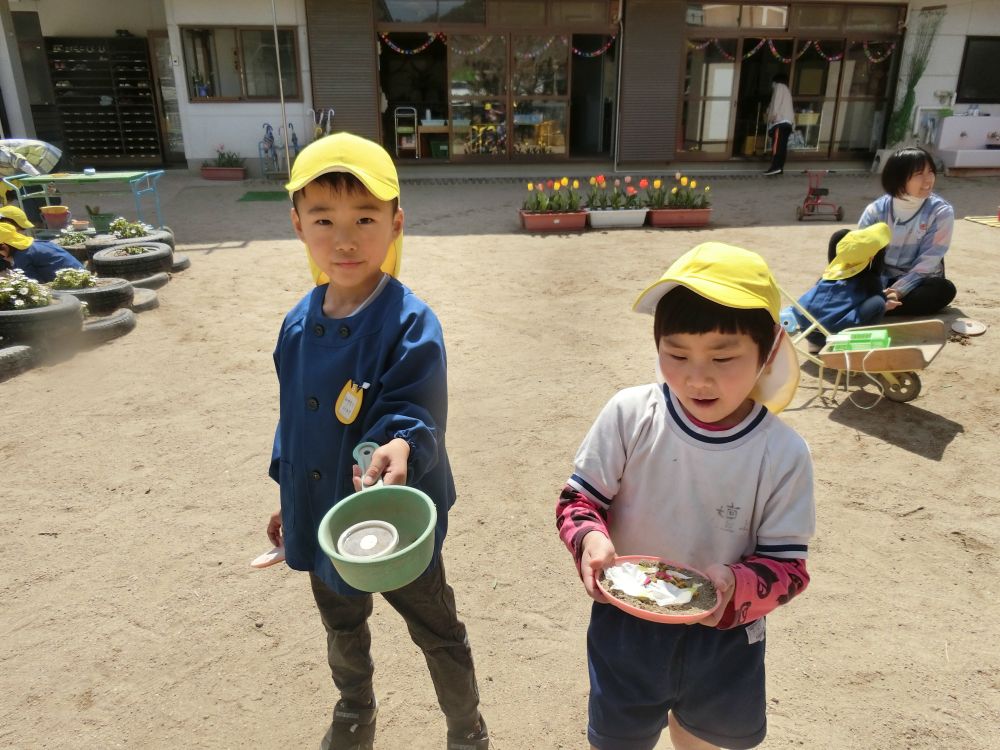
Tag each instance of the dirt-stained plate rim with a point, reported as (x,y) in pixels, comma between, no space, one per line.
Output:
(675,619)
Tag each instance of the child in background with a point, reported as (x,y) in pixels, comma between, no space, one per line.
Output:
(695,468)
(361,333)
(39,260)
(850,292)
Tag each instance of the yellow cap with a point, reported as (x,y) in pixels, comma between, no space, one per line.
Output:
(366,160)
(734,277)
(16,215)
(856,250)
(10,236)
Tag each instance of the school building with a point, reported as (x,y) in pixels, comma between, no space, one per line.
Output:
(167,82)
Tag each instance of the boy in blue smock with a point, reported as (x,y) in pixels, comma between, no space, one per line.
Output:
(850,293)
(695,468)
(362,358)
(39,260)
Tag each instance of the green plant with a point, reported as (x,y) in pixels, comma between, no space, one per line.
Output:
(70,238)
(130,250)
(93,210)
(18,292)
(620,194)
(685,194)
(124,229)
(225,158)
(553,196)
(916,64)
(73,278)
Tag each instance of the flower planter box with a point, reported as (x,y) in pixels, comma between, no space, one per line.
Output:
(553,222)
(223,173)
(610,218)
(679,217)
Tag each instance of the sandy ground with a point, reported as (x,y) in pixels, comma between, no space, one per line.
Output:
(134,494)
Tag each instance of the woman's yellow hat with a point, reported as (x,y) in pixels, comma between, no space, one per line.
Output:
(734,277)
(16,215)
(10,236)
(366,160)
(856,250)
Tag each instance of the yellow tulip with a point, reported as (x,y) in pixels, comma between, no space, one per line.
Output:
(657,183)
(576,184)
(565,181)
(593,180)
(673,190)
(707,188)
(531,186)
(693,184)
(556,186)
(684,181)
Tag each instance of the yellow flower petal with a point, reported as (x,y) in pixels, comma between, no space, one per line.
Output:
(707,188)
(565,181)
(576,184)
(593,180)
(673,190)
(657,183)
(556,186)
(694,184)
(684,181)
(531,186)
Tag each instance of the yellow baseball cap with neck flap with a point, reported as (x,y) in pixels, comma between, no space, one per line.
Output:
(16,215)
(366,160)
(856,250)
(10,236)
(734,277)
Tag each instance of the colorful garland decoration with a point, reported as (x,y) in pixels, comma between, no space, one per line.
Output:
(821,53)
(692,45)
(599,52)
(751,53)
(777,56)
(722,51)
(431,38)
(873,58)
(535,54)
(475,50)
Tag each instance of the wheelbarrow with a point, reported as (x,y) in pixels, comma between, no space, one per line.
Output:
(912,346)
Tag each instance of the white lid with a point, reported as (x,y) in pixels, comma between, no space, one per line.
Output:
(367,540)
(968,327)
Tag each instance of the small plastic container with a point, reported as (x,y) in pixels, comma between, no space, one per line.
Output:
(853,341)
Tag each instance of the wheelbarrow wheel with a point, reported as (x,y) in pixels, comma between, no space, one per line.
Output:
(900,386)
(840,213)
(798,213)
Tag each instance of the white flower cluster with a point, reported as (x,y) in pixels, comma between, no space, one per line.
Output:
(18,292)
(73,278)
(122,228)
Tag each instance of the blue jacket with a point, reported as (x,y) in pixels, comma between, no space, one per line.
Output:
(41,260)
(835,304)
(395,347)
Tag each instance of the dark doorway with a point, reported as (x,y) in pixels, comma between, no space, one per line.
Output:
(414,81)
(592,95)
(754,93)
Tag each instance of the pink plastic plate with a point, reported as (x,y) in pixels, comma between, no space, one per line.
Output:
(680,617)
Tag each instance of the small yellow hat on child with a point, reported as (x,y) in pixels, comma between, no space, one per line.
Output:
(10,236)
(734,277)
(16,215)
(856,250)
(366,160)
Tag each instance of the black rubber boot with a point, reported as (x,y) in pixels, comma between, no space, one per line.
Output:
(352,728)
(478,738)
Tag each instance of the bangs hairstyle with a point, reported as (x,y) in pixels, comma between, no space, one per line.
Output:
(901,166)
(683,311)
(341,182)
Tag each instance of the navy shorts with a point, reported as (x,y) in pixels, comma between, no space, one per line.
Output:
(711,680)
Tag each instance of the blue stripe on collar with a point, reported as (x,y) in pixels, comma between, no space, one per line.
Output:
(702,436)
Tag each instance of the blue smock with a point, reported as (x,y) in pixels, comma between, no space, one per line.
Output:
(394,345)
(837,305)
(40,260)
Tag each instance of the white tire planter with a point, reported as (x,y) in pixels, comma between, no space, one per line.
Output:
(609,218)
(108,262)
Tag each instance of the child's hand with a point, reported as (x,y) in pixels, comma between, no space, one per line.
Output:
(389,462)
(597,553)
(274,528)
(724,581)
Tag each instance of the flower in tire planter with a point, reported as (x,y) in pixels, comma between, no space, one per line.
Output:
(101,295)
(133,261)
(50,326)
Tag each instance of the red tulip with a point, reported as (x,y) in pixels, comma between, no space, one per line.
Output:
(644,183)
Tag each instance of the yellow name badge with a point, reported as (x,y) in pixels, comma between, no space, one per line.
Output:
(348,404)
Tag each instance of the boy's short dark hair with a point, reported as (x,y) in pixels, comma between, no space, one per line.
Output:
(901,166)
(780,78)
(835,238)
(683,311)
(340,182)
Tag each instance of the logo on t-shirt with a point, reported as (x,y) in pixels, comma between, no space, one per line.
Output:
(729,513)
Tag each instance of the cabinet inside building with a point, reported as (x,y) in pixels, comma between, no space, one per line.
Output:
(104,96)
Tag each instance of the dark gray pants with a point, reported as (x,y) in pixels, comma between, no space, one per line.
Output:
(428,607)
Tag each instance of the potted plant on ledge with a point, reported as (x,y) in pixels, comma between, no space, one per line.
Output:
(227,165)
(616,205)
(553,206)
(683,205)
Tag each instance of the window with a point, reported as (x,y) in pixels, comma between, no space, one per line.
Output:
(977,80)
(239,63)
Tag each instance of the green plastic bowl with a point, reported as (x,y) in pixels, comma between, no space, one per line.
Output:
(413,514)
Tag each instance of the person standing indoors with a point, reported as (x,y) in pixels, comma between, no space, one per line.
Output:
(780,119)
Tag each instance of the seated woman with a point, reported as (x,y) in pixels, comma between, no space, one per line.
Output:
(39,260)
(850,292)
(921,223)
